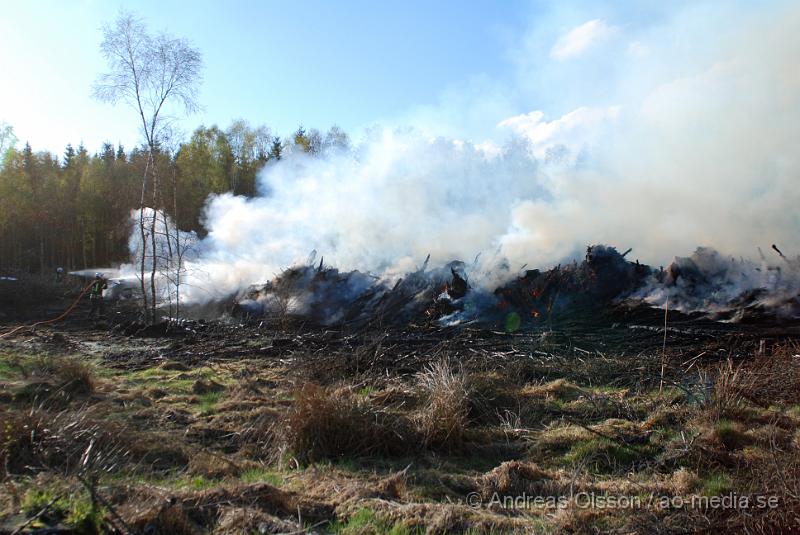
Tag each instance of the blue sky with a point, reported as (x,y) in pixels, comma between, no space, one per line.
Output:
(277,63)
(453,68)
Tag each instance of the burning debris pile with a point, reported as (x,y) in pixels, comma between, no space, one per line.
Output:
(602,278)
(726,288)
(705,282)
(328,296)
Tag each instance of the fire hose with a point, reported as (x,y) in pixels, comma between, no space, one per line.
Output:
(44,322)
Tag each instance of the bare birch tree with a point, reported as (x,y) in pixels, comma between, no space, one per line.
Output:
(157,75)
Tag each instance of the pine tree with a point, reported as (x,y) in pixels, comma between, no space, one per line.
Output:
(276,150)
(69,155)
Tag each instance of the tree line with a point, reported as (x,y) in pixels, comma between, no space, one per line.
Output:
(73,210)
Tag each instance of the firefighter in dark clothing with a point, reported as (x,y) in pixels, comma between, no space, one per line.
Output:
(96,295)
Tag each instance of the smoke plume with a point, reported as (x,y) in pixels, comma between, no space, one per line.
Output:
(672,149)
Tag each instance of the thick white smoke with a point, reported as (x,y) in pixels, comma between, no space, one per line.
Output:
(688,150)
(382,208)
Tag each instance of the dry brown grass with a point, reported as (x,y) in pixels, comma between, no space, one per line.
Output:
(445,392)
(683,481)
(55,381)
(330,423)
(238,520)
(774,474)
(728,379)
(168,517)
(492,396)
(772,378)
(558,389)
(64,442)
(765,380)
(516,478)
(213,465)
(384,516)
(155,509)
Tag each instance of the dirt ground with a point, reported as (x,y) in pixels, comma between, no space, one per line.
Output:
(596,425)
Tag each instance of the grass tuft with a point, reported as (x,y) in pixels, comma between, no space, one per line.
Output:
(330,423)
(443,420)
(75,376)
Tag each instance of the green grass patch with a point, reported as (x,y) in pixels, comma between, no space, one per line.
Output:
(74,510)
(344,464)
(262,475)
(199,483)
(717,484)
(151,373)
(601,455)
(366,522)
(10,366)
(731,435)
(208,402)
(166,380)
(177,480)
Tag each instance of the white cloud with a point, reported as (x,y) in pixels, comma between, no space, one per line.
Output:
(579,39)
(573,130)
